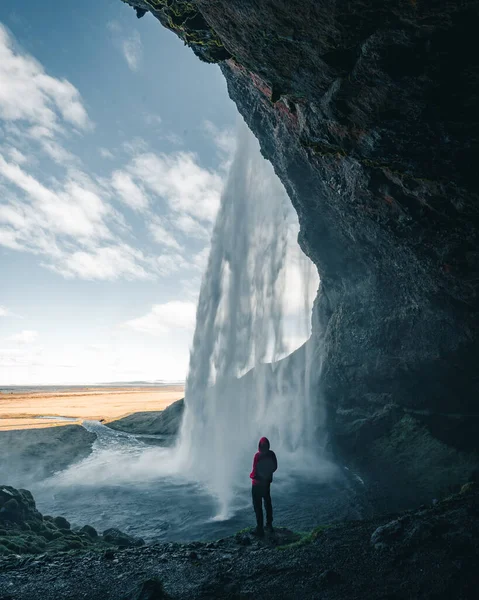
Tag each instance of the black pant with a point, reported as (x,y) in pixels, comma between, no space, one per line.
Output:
(262,492)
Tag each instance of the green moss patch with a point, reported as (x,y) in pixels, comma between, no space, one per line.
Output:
(305,538)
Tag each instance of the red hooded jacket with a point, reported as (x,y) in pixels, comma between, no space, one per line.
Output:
(264,463)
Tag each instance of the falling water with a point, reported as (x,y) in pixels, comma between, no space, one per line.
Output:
(240,385)
(254,309)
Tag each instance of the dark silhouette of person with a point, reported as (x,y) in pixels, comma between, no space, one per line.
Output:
(264,465)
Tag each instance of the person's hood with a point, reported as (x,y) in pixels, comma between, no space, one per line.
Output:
(263,445)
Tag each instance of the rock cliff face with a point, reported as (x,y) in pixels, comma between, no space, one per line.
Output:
(369,113)
(165,422)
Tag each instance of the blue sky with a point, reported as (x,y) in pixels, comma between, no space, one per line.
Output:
(114,145)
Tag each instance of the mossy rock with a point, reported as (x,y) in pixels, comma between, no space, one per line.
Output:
(74,544)
(36,526)
(89,531)
(4,550)
(187,22)
(61,523)
(297,539)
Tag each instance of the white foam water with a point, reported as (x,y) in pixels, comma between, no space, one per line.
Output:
(254,306)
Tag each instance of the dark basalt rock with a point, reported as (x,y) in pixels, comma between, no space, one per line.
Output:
(24,530)
(152,589)
(430,553)
(369,115)
(120,539)
(187,22)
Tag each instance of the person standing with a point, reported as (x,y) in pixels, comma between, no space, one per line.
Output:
(264,465)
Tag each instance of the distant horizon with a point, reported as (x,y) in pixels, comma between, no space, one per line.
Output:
(146,382)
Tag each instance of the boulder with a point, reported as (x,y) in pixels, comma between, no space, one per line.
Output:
(61,523)
(24,530)
(123,540)
(90,531)
(151,589)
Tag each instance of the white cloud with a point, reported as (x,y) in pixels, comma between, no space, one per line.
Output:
(135,146)
(105,153)
(224,139)
(190,226)
(187,187)
(133,50)
(73,209)
(163,318)
(113,26)
(170,263)
(174,139)
(161,235)
(27,336)
(129,192)
(109,262)
(16,156)
(27,93)
(4,312)
(15,357)
(154,120)
(68,219)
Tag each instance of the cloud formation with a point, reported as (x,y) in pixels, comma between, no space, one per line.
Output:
(27,336)
(133,50)
(78,223)
(27,93)
(166,317)
(186,187)
(128,191)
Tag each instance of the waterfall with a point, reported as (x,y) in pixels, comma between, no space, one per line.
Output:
(241,383)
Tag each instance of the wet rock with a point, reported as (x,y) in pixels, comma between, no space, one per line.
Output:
(17,505)
(123,540)
(90,531)
(24,530)
(61,523)
(243,539)
(166,422)
(384,535)
(152,589)
(329,577)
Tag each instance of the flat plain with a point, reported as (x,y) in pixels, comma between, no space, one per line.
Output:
(35,409)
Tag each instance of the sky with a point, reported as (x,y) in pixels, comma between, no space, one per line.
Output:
(115,142)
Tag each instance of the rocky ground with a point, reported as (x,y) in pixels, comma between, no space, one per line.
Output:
(428,553)
(24,530)
(165,422)
(34,454)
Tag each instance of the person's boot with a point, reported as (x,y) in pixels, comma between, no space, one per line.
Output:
(269,528)
(258,532)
